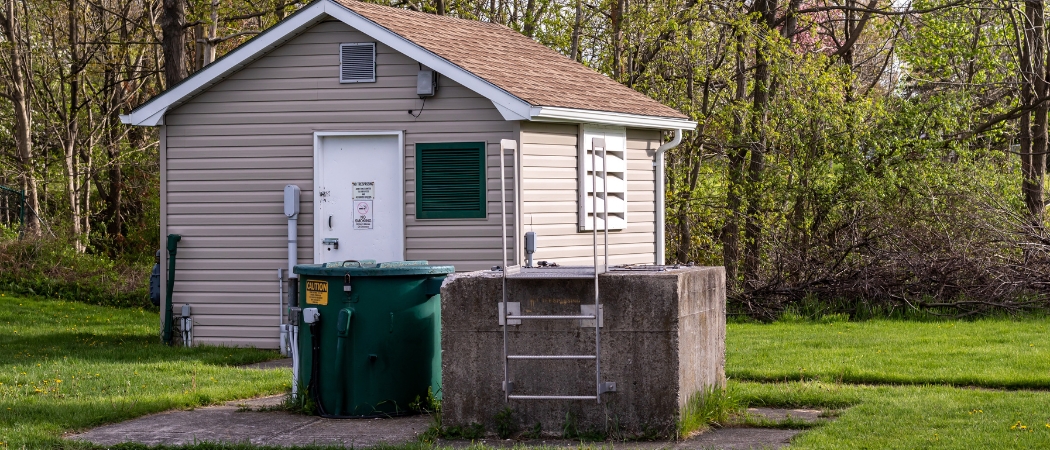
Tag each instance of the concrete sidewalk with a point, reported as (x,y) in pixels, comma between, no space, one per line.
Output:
(241,422)
(249,421)
(255,421)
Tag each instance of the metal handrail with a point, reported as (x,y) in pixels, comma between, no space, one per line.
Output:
(552,397)
(596,143)
(581,317)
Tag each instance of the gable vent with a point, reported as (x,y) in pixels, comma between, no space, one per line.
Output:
(357,62)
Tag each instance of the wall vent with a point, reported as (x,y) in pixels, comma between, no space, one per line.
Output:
(357,62)
(451,180)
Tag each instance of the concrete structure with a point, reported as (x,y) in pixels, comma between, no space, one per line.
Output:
(297,106)
(663,340)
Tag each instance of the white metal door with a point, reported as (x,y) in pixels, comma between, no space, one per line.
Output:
(358,197)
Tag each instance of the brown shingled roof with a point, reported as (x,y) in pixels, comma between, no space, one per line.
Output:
(519,65)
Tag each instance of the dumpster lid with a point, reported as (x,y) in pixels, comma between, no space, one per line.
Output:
(369,268)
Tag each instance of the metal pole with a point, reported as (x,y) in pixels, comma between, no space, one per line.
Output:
(594,236)
(173,248)
(22,211)
(503,227)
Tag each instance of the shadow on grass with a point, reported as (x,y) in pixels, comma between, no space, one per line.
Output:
(118,348)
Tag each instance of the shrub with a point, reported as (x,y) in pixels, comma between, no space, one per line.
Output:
(52,268)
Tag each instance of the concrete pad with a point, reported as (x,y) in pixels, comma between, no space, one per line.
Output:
(740,439)
(283,363)
(720,439)
(260,403)
(781,414)
(230,424)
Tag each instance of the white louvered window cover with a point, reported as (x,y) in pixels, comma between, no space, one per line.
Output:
(357,62)
(614,165)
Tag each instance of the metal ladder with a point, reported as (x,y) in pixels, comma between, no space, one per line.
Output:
(511,270)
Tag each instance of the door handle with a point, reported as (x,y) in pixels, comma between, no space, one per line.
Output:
(329,222)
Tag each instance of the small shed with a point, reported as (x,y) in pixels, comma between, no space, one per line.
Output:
(390,121)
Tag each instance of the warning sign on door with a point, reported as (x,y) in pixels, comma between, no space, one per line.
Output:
(362,214)
(364,190)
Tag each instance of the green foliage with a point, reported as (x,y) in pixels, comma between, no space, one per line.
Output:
(711,406)
(426,405)
(52,268)
(472,431)
(70,366)
(533,433)
(570,430)
(506,425)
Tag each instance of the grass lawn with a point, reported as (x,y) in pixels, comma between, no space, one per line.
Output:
(893,384)
(902,384)
(68,366)
(991,353)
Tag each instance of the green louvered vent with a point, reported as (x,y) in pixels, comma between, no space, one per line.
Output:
(450,180)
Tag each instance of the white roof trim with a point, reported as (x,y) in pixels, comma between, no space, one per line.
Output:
(508,104)
(557,114)
(510,107)
(152,112)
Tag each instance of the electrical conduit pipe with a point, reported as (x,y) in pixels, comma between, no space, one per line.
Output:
(169,322)
(661,212)
(290,331)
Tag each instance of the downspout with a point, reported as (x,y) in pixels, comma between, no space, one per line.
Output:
(173,248)
(660,209)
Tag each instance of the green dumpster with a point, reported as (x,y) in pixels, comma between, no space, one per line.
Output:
(375,346)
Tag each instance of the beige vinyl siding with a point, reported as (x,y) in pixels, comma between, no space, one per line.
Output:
(230,151)
(550,196)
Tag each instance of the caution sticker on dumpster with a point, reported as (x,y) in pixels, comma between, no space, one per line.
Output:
(316,292)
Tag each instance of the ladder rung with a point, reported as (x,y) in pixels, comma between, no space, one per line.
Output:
(591,317)
(550,357)
(552,397)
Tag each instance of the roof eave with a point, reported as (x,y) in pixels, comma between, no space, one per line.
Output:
(152,112)
(559,114)
(510,106)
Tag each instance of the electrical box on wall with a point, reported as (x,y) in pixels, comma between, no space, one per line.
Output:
(426,83)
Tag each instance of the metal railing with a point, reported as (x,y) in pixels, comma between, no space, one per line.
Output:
(508,269)
(12,207)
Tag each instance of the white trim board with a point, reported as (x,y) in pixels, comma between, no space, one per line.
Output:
(510,107)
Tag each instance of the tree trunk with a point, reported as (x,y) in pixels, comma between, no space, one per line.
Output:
(1034,191)
(173,41)
(17,91)
(72,160)
(574,47)
(1033,127)
(616,17)
(735,155)
(528,27)
(765,10)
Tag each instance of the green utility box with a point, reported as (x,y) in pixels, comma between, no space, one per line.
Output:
(378,331)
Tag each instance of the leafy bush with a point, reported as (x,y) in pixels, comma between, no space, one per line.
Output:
(52,268)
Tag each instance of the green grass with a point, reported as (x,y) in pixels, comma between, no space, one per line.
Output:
(911,417)
(890,384)
(900,384)
(1000,353)
(68,366)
